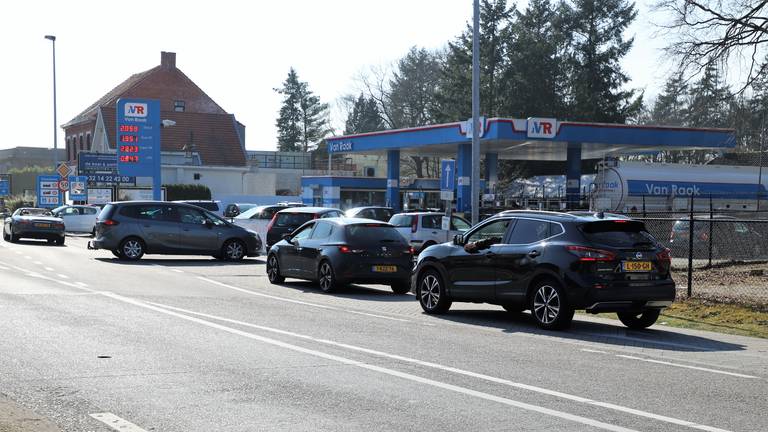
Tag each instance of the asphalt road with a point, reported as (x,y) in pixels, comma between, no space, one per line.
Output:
(191,344)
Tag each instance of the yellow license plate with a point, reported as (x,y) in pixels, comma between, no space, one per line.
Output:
(385,269)
(43,225)
(637,266)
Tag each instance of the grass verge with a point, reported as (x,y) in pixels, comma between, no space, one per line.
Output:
(712,316)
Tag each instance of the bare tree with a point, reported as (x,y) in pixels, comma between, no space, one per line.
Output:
(717,33)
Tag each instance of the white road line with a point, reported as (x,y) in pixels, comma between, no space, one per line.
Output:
(299,301)
(687,366)
(4,268)
(594,351)
(63,276)
(27,257)
(116,422)
(176,270)
(493,379)
(39,262)
(48,269)
(82,284)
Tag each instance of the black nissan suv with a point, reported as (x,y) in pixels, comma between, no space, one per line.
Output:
(552,264)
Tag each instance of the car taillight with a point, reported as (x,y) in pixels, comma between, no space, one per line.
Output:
(665,255)
(414,223)
(58,225)
(110,222)
(271,222)
(590,254)
(411,250)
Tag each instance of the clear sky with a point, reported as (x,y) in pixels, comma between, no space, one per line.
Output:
(237,51)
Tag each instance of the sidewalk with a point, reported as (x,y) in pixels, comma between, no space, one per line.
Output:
(15,418)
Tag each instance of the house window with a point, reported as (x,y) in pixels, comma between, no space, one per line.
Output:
(80,145)
(88,141)
(178,106)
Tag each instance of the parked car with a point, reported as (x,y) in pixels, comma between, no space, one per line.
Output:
(133,228)
(551,264)
(258,218)
(730,238)
(424,229)
(383,214)
(211,206)
(287,220)
(34,223)
(338,251)
(235,209)
(78,218)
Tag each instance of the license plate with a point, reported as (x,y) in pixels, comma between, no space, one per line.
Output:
(42,225)
(636,266)
(385,269)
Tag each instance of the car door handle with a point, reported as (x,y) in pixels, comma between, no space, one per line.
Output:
(299,249)
(534,253)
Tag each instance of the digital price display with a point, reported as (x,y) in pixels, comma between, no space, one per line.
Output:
(138,137)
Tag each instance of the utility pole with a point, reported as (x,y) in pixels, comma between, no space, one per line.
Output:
(55,146)
(475,182)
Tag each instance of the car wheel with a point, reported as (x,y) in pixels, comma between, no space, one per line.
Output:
(6,237)
(431,292)
(233,250)
(51,241)
(132,249)
(116,253)
(639,321)
(549,306)
(273,270)
(93,232)
(60,242)
(400,287)
(14,238)
(326,277)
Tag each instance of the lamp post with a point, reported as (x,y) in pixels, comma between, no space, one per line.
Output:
(55,145)
(475,182)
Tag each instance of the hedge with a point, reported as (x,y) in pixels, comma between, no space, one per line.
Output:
(174,192)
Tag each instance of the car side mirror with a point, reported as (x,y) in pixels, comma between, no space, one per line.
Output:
(287,237)
(458,240)
(208,223)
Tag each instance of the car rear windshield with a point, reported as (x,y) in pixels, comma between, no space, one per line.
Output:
(106,212)
(365,234)
(292,219)
(212,206)
(401,220)
(618,233)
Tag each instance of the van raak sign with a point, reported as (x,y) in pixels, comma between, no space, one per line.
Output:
(542,127)
(135,109)
(340,146)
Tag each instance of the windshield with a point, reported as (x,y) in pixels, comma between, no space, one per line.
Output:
(618,233)
(249,213)
(292,219)
(33,212)
(373,234)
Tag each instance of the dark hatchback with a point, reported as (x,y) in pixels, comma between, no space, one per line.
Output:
(286,221)
(338,251)
(552,264)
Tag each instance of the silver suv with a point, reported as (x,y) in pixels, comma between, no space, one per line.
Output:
(424,229)
(131,229)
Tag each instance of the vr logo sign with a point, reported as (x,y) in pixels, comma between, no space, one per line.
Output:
(133,109)
(542,127)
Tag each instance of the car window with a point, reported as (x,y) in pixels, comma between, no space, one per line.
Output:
(70,211)
(496,229)
(374,234)
(190,216)
(269,212)
(331,214)
(401,220)
(322,230)
(459,224)
(303,233)
(148,212)
(89,210)
(292,219)
(530,231)
(617,233)
(382,214)
(431,221)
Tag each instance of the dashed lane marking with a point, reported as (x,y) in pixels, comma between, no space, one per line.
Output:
(687,366)
(116,422)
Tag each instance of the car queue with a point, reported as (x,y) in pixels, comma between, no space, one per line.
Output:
(549,263)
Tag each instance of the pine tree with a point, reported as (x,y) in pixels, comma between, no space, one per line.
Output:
(709,101)
(670,108)
(364,117)
(598,46)
(303,119)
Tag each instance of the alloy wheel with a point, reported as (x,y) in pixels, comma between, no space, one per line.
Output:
(546,304)
(326,277)
(132,249)
(430,291)
(234,251)
(273,270)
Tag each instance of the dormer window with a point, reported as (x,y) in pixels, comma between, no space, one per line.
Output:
(178,106)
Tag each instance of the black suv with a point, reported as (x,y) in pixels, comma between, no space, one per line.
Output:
(550,263)
(287,220)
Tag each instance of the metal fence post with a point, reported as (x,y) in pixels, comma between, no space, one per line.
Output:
(644,206)
(690,250)
(711,222)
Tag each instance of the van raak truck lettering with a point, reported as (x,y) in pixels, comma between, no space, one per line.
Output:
(542,127)
(342,146)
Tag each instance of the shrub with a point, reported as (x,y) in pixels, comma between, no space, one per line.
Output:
(175,192)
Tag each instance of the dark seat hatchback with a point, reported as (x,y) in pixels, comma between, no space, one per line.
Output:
(338,251)
(287,220)
(551,264)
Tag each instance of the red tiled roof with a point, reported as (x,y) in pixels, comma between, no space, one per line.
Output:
(215,135)
(111,97)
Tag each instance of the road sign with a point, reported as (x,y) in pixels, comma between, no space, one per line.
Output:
(447,174)
(138,137)
(96,163)
(5,185)
(63,170)
(111,178)
(99,195)
(48,194)
(63,185)
(446,195)
(78,188)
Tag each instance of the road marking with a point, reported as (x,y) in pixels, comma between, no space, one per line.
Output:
(687,366)
(176,270)
(493,379)
(27,257)
(594,351)
(63,276)
(299,301)
(116,422)
(4,268)
(38,262)
(82,284)
(48,268)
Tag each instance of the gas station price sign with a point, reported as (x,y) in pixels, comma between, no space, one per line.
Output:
(138,137)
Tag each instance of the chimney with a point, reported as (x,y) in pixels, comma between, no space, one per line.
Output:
(168,60)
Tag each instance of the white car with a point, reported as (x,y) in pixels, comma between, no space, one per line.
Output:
(424,229)
(78,218)
(257,219)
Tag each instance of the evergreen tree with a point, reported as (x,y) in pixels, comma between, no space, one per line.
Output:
(364,117)
(303,119)
(598,46)
(710,101)
(670,108)
(411,100)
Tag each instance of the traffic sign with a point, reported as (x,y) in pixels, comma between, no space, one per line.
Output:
(5,185)
(48,194)
(63,170)
(138,137)
(96,163)
(78,188)
(447,174)
(63,185)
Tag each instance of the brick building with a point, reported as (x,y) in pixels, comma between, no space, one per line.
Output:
(204,134)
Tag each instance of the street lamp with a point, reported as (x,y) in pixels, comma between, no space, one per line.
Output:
(55,145)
